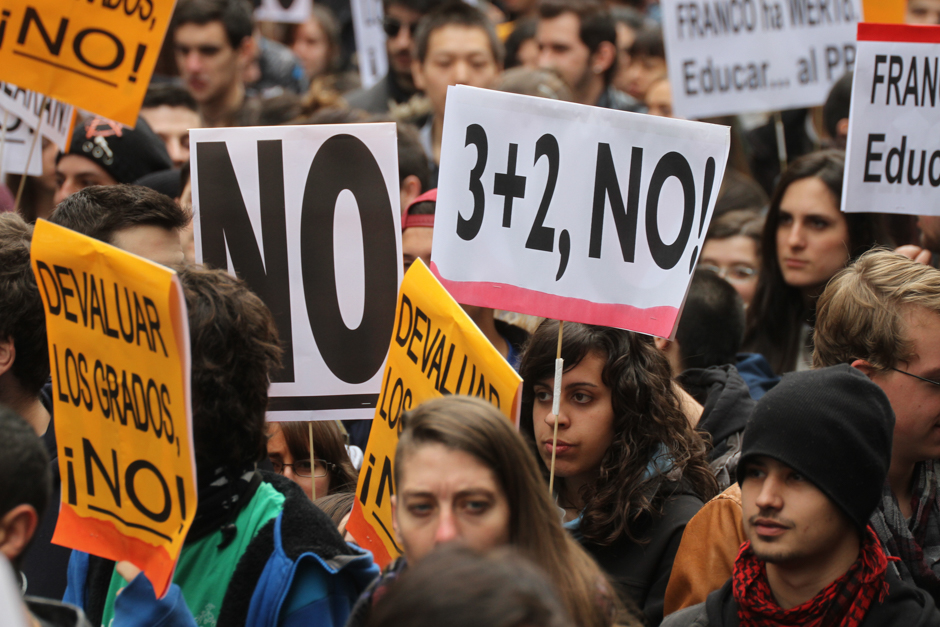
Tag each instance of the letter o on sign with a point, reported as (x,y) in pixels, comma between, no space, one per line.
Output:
(129,477)
(344,162)
(79,50)
(674,164)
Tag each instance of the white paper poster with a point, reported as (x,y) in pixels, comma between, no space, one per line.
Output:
(370,41)
(892,156)
(291,11)
(309,217)
(737,56)
(27,105)
(16,144)
(573,212)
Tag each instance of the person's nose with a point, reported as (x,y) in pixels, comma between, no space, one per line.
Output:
(796,237)
(446,527)
(769,496)
(562,417)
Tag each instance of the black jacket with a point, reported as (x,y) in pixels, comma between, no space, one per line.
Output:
(640,570)
(905,605)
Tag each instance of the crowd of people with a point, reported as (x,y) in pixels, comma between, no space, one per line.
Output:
(775,463)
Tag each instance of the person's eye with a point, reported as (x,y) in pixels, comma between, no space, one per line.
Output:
(581,397)
(741,273)
(59,181)
(277,466)
(419,510)
(184,140)
(476,507)
(819,224)
(543,396)
(797,477)
(303,466)
(785,219)
(753,472)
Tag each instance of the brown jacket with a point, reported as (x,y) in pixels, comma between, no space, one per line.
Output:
(707,552)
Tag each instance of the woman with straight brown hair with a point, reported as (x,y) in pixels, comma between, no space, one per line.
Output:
(463,473)
(289,451)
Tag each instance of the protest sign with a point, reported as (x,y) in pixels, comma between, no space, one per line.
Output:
(57,119)
(97,56)
(736,56)
(892,160)
(12,610)
(309,217)
(15,148)
(370,41)
(884,11)
(119,354)
(539,208)
(291,11)
(437,350)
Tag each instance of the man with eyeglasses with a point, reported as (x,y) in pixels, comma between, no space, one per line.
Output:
(397,87)
(882,316)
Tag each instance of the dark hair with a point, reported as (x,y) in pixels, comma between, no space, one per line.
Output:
(837,104)
(23,317)
(101,211)
(235,15)
(529,82)
(647,417)
(712,324)
(25,478)
(477,428)
(523,32)
(329,444)
(234,350)
(460,587)
(739,191)
(778,311)
(456,13)
(418,6)
(168,94)
(648,43)
(412,159)
(627,15)
(337,505)
(596,24)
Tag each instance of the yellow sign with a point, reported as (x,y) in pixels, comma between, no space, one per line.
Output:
(119,352)
(884,11)
(436,350)
(95,54)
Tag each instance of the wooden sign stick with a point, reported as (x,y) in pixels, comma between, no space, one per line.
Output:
(556,405)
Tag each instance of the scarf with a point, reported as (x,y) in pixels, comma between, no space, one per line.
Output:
(843,603)
(222,495)
(908,539)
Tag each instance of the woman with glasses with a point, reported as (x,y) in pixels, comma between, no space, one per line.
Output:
(806,241)
(331,470)
(732,250)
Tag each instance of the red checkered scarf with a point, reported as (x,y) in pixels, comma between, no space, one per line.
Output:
(843,603)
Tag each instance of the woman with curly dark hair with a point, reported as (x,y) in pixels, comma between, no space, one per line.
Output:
(806,241)
(630,471)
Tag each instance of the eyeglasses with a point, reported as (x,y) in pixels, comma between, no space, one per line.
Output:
(391,26)
(302,468)
(937,383)
(738,273)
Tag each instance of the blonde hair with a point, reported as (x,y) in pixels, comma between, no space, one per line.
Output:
(860,315)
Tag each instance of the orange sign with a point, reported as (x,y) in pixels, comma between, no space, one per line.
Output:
(119,350)
(96,54)
(436,350)
(884,11)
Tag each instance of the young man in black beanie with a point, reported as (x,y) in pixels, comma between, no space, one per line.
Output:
(816,452)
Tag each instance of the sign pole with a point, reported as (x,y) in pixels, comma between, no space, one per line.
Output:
(32,147)
(781,142)
(3,141)
(313,465)
(556,404)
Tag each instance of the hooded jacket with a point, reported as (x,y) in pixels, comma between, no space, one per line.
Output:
(905,605)
(299,547)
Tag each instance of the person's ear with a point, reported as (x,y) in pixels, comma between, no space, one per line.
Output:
(866,368)
(603,57)
(661,343)
(842,128)
(16,530)
(410,189)
(247,51)
(7,355)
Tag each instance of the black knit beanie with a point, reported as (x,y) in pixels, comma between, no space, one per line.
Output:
(125,153)
(833,426)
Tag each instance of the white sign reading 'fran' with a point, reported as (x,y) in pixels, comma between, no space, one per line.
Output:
(573,212)
(15,148)
(893,156)
(27,105)
(370,40)
(291,11)
(736,56)
(309,217)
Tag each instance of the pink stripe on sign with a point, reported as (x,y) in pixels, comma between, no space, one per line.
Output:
(902,33)
(653,321)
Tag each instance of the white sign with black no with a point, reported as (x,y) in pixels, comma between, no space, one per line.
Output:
(893,156)
(573,212)
(15,145)
(737,56)
(290,11)
(368,19)
(309,217)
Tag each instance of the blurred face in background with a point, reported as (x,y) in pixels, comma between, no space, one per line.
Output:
(312,47)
